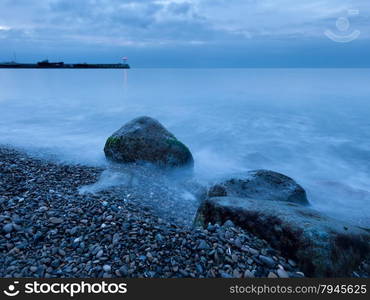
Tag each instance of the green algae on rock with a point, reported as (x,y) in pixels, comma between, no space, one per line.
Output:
(144,139)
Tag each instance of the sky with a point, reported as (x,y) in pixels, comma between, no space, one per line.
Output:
(188,33)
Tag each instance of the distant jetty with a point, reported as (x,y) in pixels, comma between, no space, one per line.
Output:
(61,65)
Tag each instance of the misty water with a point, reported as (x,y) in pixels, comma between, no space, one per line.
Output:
(310,124)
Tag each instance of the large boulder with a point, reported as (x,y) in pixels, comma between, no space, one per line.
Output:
(146,140)
(322,246)
(263,185)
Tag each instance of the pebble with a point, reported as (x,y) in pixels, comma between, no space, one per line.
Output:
(248,274)
(253,251)
(159,237)
(55,220)
(203,245)
(236,274)
(199,268)
(149,256)
(74,230)
(237,243)
(300,274)
(55,263)
(100,253)
(225,275)
(272,275)
(123,271)
(42,209)
(210,227)
(107,268)
(33,269)
(228,224)
(17,227)
(267,261)
(282,273)
(7,228)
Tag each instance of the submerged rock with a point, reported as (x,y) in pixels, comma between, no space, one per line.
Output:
(146,140)
(322,247)
(261,185)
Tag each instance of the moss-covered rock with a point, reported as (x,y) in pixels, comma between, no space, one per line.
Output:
(146,140)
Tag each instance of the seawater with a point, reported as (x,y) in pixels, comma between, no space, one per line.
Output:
(310,124)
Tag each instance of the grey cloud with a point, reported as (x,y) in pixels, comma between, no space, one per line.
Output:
(180,8)
(156,22)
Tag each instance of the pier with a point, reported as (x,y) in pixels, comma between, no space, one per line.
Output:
(61,65)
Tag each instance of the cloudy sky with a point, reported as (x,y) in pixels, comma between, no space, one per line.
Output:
(194,33)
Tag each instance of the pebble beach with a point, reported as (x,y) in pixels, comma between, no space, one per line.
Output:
(50,229)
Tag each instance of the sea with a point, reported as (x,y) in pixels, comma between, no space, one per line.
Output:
(310,124)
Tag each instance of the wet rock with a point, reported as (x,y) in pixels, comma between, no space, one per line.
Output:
(321,246)
(146,140)
(261,185)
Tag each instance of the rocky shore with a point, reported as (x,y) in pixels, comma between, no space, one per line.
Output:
(145,215)
(50,229)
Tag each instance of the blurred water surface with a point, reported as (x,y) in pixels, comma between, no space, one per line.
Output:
(310,124)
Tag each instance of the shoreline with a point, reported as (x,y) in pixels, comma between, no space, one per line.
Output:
(50,229)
